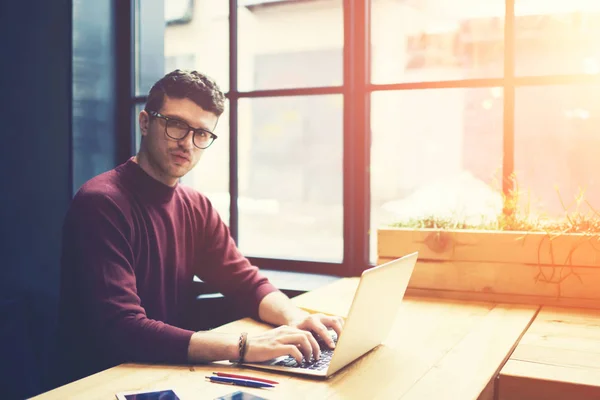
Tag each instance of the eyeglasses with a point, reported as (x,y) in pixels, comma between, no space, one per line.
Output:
(176,129)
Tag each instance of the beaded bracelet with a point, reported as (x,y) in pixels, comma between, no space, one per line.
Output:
(242,346)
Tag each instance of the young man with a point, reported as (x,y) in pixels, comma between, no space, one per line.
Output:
(134,238)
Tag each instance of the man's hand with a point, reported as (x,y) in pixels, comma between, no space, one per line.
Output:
(282,341)
(277,309)
(319,324)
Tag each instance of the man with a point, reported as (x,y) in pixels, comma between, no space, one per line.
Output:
(134,238)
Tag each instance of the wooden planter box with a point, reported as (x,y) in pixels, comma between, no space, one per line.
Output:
(522,267)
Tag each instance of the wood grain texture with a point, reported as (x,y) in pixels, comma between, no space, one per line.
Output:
(505,298)
(491,246)
(443,349)
(465,371)
(529,284)
(521,380)
(558,357)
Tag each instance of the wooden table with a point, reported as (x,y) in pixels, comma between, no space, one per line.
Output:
(438,349)
(557,358)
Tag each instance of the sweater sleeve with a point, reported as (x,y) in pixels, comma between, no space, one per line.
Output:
(98,236)
(226,269)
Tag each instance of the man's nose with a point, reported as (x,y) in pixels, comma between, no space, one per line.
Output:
(188,141)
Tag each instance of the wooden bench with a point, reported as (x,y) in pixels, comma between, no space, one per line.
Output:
(557,358)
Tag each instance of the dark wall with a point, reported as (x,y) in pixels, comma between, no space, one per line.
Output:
(35,115)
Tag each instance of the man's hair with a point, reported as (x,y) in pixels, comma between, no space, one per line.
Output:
(193,85)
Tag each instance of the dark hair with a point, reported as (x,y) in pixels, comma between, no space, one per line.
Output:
(193,85)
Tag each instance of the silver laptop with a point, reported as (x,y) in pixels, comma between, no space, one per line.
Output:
(372,313)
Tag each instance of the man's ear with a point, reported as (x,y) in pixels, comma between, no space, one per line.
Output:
(144,121)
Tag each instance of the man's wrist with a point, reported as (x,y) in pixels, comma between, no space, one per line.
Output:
(242,347)
(277,309)
(211,346)
(233,348)
(296,316)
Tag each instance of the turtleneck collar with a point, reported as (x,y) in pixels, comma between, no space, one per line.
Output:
(148,187)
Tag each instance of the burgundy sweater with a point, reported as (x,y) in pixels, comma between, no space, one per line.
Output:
(131,246)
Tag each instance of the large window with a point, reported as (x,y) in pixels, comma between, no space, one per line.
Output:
(478,101)
(337,124)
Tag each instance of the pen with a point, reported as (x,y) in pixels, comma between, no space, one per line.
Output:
(227,375)
(238,382)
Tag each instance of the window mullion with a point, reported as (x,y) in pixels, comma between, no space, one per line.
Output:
(508,153)
(356,136)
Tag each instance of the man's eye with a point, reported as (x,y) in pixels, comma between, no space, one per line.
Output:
(180,125)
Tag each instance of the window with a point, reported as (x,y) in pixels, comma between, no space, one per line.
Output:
(290,163)
(93,98)
(179,11)
(211,175)
(342,124)
(556,148)
(557,37)
(289,147)
(202,43)
(433,152)
(180,61)
(470,123)
(417,41)
(195,35)
(284,44)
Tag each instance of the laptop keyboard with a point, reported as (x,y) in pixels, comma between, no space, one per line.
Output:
(316,365)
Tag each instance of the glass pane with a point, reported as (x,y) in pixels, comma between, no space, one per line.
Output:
(557,37)
(211,175)
(149,43)
(136,124)
(432,40)
(290,44)
(290,177)
(435,154)
(93,97)
(195,37)
(556,149)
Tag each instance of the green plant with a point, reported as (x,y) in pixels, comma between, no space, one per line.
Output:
(515,217)
(579,217)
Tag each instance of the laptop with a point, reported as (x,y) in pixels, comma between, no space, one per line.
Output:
(372,313)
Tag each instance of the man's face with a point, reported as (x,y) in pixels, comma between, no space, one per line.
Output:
(171,159)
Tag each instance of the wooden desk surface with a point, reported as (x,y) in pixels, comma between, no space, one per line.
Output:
(438,349)
(557,358)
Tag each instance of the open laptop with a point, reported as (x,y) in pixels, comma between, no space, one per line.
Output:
(372,313)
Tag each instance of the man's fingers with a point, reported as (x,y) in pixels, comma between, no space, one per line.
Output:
(300,339)
(322,331)
(335,323)
(293,351)
(316,349)
(319,324)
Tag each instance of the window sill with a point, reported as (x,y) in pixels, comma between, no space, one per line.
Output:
(288,282)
